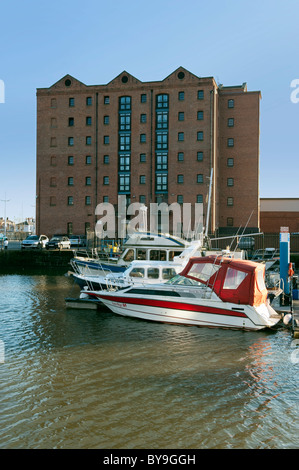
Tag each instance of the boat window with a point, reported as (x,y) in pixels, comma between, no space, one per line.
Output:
(137,272)
(260,281)
(233,278)
(181,280)
(153,292)
(158,255)
(153,273)
(129,256)
(141,254)
(203,271)
(168,273)
(172,254)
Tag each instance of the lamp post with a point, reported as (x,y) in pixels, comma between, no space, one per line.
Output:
(5,201)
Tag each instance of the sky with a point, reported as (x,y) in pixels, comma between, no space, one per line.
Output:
(94,41)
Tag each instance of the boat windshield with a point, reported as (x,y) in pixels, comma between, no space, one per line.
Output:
(181,280)
(203,271)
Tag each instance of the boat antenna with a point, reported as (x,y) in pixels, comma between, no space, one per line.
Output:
(244,228)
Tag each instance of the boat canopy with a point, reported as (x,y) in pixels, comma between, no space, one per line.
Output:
(233,280)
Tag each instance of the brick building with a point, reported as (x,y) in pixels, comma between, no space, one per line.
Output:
(151,141)
(278,212)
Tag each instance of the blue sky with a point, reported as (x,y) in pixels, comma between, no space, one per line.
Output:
(234,41)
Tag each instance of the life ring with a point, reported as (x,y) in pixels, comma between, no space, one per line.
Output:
(291,271)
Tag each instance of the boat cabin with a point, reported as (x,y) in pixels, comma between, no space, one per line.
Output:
(233,280)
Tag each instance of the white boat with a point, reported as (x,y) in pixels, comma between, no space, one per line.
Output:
(212,291)
(144,246)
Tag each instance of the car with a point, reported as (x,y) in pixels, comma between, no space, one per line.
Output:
(78,240)
(34,241)
(59,241)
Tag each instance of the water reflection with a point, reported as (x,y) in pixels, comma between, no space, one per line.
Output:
(86,379)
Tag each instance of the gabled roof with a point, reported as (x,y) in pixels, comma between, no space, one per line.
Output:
(68,82)
(123,78)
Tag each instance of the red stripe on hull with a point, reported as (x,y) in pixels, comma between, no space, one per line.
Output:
(174,305)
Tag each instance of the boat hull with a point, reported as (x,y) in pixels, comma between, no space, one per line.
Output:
(203,313)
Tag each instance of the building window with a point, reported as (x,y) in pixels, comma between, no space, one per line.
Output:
(71,121)
(71,141)
(124,163)
(124,142)
(88,140)
(71,102)
(162,101)
(53,122)
(230,122)
(87,200)
(125,103)
(89,101)
(181,116)
(142,179)
(53,103)
(181,156)
(199,198)
(230,201)
(142,118)
(230,222)
(88,181)
(143,98)
(88,120)
(162,140)
(70,181)
(70,201)
(124,122)
(106,139)
(142,138)
(230,181)
(105,198)
(53,161)
(200,94)
(230,162)
(181,136)
(161,182)
(161,161)
(88,160)
(142,158)
(162,120)
(180,179)
(53,142)
(53,182)
(106,99)
(124,183)
(52,201)
(199,156)
(180,199)
(181,95)
(200,135)
(200,115)
(106,180)
(231,103)
(142,199)
(200,178)
(70,160)
(70,228)
(106,159)
(230,142)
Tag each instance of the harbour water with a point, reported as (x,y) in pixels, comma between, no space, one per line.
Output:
(77,379)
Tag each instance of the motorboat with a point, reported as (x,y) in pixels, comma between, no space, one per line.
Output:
(144,246)
(269,256)
(211,291)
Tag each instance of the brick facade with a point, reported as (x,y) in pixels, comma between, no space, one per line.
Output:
(158,144)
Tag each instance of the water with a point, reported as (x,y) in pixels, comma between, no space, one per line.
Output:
(77,379)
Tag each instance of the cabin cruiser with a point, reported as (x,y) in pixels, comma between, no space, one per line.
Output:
(212,291)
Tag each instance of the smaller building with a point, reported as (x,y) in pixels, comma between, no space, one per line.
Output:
(279,212)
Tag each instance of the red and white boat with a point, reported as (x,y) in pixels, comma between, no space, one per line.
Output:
(212,291)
